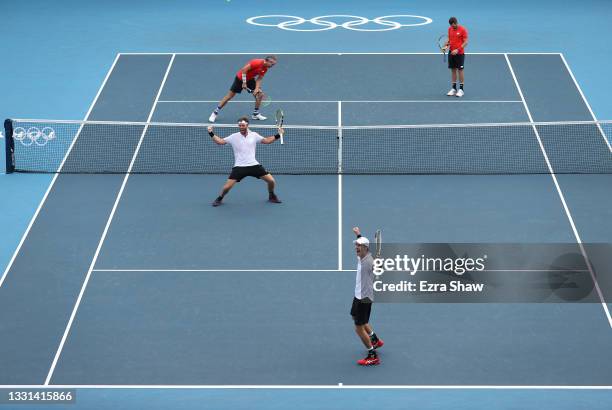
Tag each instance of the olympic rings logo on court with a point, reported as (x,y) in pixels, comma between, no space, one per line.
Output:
(33,135)
(356,23)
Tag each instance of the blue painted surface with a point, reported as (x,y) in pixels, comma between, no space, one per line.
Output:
(60,70)
(183,399)
(178,328)
(180,230)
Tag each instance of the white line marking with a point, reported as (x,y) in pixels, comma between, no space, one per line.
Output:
(601,131)
(104,233)
(339,185)
(221,270)
(562,198)
(44,198)
(324,270)
(266,52)
(313,387)
(450,101)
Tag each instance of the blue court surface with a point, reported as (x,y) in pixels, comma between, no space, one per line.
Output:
(133,290)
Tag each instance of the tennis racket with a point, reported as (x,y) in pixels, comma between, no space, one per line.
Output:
(280,116)
(265,101)
(378,239)
(442,45)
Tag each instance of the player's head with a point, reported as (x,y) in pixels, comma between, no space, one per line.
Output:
(362,246)
(453,22)
(270,60)
(243,123)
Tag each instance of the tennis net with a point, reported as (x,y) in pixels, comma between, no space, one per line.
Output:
(52,146)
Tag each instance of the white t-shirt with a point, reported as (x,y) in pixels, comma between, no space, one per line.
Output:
(364,280)
(244,148)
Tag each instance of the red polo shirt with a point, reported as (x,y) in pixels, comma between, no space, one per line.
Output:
(257,69)
(456,37)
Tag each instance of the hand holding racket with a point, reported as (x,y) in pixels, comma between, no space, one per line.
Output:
(280,116)
(265,98)
(443,45)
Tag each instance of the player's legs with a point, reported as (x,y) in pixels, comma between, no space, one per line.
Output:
(269,179)
(459,64)
(235,88)
(460,90)
(453,90)
(230,94)
(360,312)
(229,184)
(376,342)
(258,99)
(363,336)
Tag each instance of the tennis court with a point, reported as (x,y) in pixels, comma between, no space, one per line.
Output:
(128,282)
(252,271)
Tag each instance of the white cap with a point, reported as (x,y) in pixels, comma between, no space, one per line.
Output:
(362,241)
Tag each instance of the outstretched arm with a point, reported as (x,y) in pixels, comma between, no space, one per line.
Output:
(272,138)
(218,140)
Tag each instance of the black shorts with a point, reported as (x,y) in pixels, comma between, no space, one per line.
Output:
(256,171)
(237,85)
(361,311)
(456,61)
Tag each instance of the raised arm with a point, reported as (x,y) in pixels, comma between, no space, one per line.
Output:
(272,138)
(217,140)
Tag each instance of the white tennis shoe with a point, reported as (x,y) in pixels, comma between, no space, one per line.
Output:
(459,93)
(259,117)
(452,92)
(212,117)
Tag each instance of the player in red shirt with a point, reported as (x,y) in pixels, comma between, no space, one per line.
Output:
(457,40)
(249,76)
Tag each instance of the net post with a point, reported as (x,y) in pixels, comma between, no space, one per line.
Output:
(9,146)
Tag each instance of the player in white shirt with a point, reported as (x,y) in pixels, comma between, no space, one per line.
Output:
(244,144)
(363,299)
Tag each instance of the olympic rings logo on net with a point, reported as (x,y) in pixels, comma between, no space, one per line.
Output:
(33,135)
(294,23)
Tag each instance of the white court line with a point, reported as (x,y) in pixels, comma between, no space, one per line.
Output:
(339,185)
(329,53)
(601,131)
(103,237)
(325,270)
(451,101)
(222,270)
(44,198)
(312,387)
(562,198)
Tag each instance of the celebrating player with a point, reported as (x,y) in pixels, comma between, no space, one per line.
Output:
(457,40)
(364,297)
(248,77)
(245,165)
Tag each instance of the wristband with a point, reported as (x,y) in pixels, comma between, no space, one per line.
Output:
(212,134)
(244,79)
(277,136)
